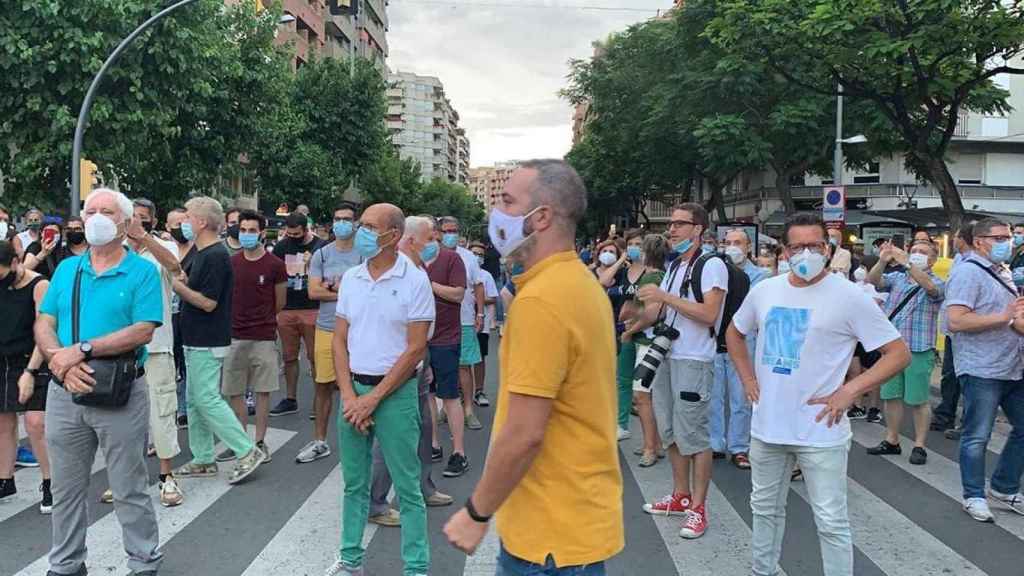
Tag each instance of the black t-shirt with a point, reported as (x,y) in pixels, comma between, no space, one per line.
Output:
(210,274)
(298,284)
(186,261)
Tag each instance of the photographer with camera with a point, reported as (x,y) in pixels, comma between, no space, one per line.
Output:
(681,407)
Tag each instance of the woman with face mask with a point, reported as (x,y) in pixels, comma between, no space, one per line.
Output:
(627,283)
(44,254)
(23,372)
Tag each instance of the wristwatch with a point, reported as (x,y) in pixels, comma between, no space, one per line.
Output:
(32,372)
(86,349)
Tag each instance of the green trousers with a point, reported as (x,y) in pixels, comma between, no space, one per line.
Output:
(397,428)
(627,363)
(208,413)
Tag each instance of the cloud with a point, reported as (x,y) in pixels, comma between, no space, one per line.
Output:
(502,67)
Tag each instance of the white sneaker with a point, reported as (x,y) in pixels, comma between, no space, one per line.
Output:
(624,434)
(339,569)
(315,450)
(170,493)
(977,508)
(1013,502)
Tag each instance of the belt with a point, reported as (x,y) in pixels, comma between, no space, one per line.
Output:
(367,380)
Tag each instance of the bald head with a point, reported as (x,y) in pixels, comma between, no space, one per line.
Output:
(388,221)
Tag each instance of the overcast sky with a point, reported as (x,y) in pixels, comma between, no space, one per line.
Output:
(502,67)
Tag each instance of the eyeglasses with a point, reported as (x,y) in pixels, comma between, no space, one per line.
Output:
(998,238)
(680,223)
(817,247)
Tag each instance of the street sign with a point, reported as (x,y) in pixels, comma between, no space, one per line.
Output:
(833,204)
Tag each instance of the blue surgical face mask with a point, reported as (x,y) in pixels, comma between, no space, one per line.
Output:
(1018,240)
(633,253)
(187,232)
(429,251)
(707,249)
(249,240)
(684,246)
(517,269)
(1001,252)
(343,229)
(450,239)
(366,243)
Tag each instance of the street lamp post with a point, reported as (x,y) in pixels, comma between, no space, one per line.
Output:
(837,159)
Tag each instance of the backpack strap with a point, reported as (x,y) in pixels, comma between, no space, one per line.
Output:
(995,276)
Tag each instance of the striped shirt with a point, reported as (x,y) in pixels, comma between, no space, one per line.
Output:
(918,320)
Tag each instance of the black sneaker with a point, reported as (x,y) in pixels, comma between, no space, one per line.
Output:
(46,505)
(80,572)
(182,421)
(285,406)
(7,487)
(436,454)
(457,465)
(481,399)
(918,456)
(874,416)
(885,448)
(856,413)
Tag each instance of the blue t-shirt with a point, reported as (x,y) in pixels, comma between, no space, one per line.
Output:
(119,297)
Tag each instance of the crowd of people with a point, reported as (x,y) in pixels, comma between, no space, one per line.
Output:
(123,331)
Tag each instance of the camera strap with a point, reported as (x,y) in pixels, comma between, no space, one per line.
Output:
(684,286)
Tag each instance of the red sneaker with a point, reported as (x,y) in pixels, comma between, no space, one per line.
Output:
(671,505)
(695,525)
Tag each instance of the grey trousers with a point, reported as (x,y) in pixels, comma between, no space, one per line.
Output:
(73,433)
(380,485)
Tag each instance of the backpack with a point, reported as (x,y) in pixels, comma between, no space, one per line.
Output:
(739,287)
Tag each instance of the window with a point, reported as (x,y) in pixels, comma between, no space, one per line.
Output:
(969,168)
(869,176)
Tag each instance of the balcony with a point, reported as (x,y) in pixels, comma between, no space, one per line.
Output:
(962,130)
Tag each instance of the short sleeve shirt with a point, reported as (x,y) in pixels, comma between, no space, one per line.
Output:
(806,338)
(490,291)
(473,277)
(447,269)
(695,341)
(163,337)
(212,277)
(653,277)
(329,264)
(997,353)
(379,313)
(918,319)
(126,294)
(296,257)
(254,296)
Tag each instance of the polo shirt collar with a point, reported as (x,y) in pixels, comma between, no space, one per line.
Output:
(540,267)
(396,271)
(86,259)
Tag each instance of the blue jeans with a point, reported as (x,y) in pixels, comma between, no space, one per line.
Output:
(982,399)
(736,439)
(509,565)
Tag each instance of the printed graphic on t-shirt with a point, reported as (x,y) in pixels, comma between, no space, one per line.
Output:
(785,330)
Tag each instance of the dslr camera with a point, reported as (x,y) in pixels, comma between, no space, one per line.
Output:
(648,366)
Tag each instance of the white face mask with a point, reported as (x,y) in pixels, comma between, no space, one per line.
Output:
(807,265)
(507,232)
(3,230)
(918,261)
(736,254)
(860,274)
(783,266)
(100,230)
(607,258)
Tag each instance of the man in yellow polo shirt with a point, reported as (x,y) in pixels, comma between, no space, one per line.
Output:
(552,475)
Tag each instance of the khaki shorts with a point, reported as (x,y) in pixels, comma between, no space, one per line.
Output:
(163,404)
(323,357)
(250,364)
(681,394)
(295,327)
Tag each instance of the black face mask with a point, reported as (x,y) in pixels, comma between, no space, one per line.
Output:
(75,237)
(147,225)
(35,226)
(233,231)
(178,235)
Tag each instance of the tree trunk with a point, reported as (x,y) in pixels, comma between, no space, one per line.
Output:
(939,176)
(715,203)
(785,191)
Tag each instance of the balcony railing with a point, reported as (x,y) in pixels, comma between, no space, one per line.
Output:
(962,130)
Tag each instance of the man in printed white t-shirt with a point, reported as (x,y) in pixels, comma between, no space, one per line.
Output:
(808,323)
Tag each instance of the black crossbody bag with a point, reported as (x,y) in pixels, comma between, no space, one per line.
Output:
(114,375)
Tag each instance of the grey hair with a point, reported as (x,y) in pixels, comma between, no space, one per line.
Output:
(557,184)
(122,201)
(985,225)
(416,224)
(147,204)
(208,209)
(741,231)
(655,250)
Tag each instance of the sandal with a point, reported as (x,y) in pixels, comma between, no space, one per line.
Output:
(648,459)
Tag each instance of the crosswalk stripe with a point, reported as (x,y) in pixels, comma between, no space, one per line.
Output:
(484,561)
(106,551)
(28,495)
(940,473)
(317,525)
(892,541)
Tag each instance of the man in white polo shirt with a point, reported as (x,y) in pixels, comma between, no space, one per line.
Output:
(385,309)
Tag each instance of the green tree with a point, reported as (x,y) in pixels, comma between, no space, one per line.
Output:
(919,62)
(394,180)
(167,118)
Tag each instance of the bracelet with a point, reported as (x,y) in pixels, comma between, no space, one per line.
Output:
(471,510)
(32,372)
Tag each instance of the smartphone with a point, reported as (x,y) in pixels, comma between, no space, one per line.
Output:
(899,241)
(48,235)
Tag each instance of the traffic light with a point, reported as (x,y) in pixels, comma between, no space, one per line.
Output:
(88,178)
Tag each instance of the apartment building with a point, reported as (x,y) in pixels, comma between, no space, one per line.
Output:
(487,182)
(358,27)
(306,32)
(424,126)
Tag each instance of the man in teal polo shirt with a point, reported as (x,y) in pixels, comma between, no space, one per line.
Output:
(120,305)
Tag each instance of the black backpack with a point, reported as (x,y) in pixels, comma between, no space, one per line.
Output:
(739,287)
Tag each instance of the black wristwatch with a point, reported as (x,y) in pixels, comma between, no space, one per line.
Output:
(86,349)
(471,510)
(32,372)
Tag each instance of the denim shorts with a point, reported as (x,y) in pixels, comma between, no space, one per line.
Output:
(509,565)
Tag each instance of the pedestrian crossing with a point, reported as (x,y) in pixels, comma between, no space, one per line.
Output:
(906,521)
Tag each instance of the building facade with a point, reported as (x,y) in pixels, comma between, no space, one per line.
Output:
(424,126)
(487,182)
(306,32)
(358,27)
